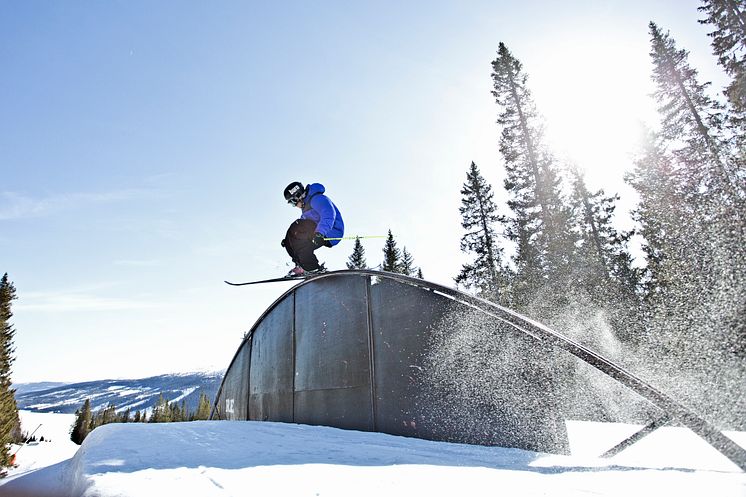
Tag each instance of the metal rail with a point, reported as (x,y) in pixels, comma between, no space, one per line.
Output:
(637,436)
(672,409)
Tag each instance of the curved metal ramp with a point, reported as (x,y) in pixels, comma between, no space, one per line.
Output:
(378,351)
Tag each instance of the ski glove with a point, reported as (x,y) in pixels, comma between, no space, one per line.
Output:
(318,240)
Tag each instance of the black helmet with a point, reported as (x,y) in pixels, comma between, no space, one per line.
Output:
(294,192)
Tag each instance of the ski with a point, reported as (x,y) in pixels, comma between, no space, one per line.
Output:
(271,280)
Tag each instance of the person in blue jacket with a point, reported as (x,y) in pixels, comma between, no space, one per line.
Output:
(320,225)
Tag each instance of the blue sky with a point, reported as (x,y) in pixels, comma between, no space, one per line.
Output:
(144,146)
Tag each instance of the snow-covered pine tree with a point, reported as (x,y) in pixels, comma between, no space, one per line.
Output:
(9,421)
(357,258)
(391,255)
(478,217)
(540,221)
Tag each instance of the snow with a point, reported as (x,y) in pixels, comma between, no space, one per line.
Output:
(40,465)
(184,394)
(223,458)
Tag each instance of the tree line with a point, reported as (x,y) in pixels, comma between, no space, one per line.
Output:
(164,411)
(395,260)
(684,304)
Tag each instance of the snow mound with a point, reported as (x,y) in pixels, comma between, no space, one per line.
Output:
(221,458)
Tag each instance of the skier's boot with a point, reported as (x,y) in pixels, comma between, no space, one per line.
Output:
(319,270)
(296,272)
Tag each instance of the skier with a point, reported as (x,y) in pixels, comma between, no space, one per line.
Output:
(317,227)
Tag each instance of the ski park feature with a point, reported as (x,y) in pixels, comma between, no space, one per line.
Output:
(376,351)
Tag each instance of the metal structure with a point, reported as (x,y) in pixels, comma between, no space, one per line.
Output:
(354,349)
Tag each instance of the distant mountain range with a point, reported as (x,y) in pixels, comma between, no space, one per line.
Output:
(137,395)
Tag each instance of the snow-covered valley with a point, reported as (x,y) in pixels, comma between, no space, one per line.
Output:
(134,394)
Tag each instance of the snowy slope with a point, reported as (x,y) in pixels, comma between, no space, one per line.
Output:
(221,458)
(38,462)
(137,394)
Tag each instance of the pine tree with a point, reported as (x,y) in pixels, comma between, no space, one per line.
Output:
(82,426)
(203,408)
(540,222)
(729,44)
(660,215)
(109,415)
(391,255)
(478,217)
(357,258)
(9,420)
(694,278)
(407,263)
(161,410)
(124,416)
(602,265)
(707,249)
(691,117)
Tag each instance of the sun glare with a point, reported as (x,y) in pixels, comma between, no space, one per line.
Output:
(594,98)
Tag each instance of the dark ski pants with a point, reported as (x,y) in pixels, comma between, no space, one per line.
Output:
(299,245)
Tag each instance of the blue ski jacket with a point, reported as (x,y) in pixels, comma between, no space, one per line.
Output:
(319,208)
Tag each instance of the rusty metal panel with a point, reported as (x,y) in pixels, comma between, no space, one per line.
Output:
(272,358)
(332,359)
(232,404)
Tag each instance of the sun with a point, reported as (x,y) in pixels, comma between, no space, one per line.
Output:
(595,99)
